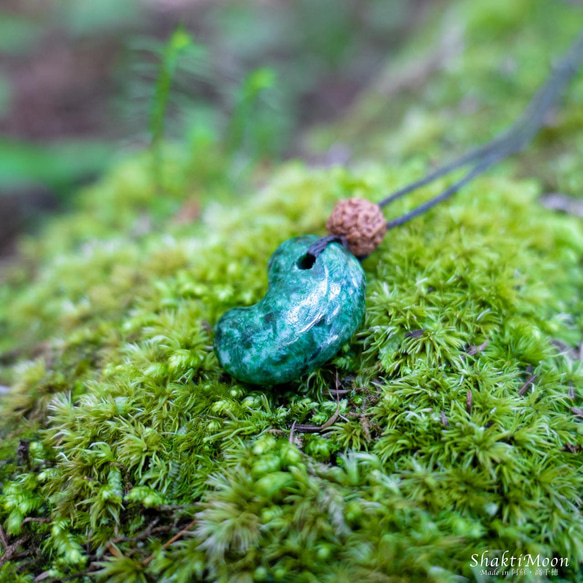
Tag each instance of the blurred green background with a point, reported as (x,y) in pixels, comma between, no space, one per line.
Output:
(84,82)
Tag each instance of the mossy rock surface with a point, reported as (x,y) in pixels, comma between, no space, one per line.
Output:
(459,427)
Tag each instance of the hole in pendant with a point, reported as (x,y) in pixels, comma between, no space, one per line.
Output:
(306,261)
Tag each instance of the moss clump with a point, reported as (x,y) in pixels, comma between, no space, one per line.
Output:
(457,432)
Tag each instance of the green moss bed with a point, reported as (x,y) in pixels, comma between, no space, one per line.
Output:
(128,455)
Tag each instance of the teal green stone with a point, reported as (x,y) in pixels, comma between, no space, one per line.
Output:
(307,315)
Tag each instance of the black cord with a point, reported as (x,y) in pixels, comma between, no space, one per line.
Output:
(503,146)
(484,157)
(316,248)
(482,166)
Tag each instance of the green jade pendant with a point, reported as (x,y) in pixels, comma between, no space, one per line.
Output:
(311,309)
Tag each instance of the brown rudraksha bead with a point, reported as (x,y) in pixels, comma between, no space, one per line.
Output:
(361,222)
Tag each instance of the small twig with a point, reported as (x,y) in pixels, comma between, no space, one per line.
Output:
(12,550)
(339,392)
(35,519)
(113,550)
(23,554)
(172,540)
(3,537)
(527,384)
(366,429)
(291,432)
(173,507)
(142,535)
(364,420)
(472,350)
(565,349)
(14,556)
(150,529)
(415,333)
(319,428)
(556,201)
(469,402)
(578,412)
(75,575)
(444,420)
(358,414)
(88,544)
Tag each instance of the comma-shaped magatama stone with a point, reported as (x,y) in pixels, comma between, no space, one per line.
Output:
(309,312)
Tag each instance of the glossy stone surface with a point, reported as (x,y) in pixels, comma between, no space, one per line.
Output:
(303,320)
